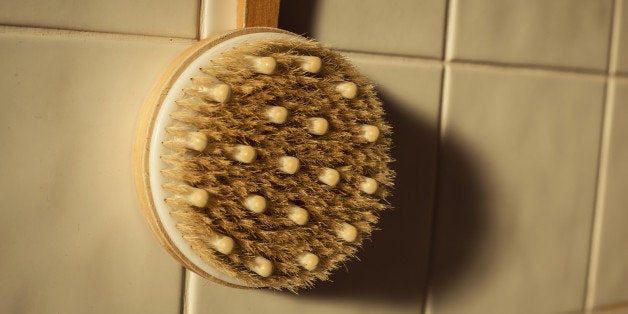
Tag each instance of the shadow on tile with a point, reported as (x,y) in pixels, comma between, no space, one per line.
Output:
(298,16)
(393,266)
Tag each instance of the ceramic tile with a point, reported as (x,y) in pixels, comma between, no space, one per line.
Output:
(391,274)
(74,239)
(516,191)
(563,33)
(612,260)
(162,17)
(404,27)
(207,297)
(622,36)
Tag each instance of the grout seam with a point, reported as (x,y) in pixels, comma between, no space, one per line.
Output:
(65,33)
(448,37)
(530,67)
(430,61)
(613,53)
(385,57)
(192,284)
(184,284)
(388,55)
(444,91)
(602,165)
(599,201)
(440,139)
(203,32)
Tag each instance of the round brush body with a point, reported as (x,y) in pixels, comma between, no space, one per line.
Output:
(261,159)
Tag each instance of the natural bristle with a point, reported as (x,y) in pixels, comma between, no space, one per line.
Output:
(278,163)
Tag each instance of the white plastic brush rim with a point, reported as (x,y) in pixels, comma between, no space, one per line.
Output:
(155,164)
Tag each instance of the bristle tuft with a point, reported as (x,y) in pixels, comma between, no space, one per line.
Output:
(279,158)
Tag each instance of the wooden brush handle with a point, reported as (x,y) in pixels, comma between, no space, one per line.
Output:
(258,13)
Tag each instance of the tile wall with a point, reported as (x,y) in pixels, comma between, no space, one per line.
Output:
(511,148)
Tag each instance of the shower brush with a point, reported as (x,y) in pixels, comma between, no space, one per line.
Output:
(261,159)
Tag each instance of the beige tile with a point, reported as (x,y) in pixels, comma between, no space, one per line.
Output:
(563,33)
(162,17)
(74,240)
(611,286)
(516,192)
(622,36)
(391,274)
(207,297)
(406,27)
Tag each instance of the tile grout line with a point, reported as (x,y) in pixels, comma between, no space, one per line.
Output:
(602,166)
(553,70)
(613,54)
(386,55)
(419,60)
(193,282)
(440,125)
(599,203)
(430,61)
(448,42)
(60,32)
(184,284)
(440,140)
(202,33)
(424,61)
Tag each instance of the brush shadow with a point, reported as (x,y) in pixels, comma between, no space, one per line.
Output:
(393,266)
(298,16)
(434,202)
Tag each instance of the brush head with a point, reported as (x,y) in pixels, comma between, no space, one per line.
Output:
(274,163)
